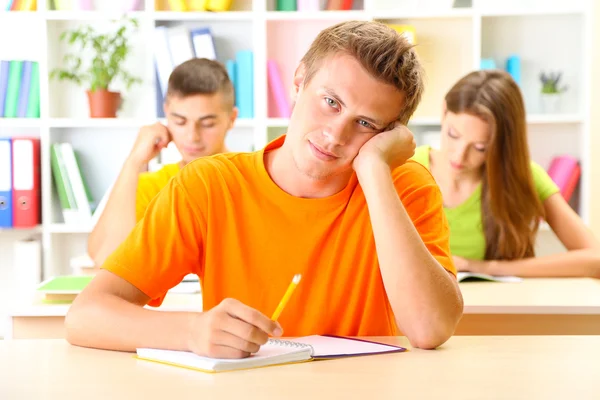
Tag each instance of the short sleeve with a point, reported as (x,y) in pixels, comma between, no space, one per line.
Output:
(544,185)
(166,244)
(143,197)
(423,202)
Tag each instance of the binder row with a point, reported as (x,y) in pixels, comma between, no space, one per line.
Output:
(175,45)
(19,89)
(20,205)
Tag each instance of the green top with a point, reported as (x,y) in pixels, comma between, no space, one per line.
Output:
(467,239)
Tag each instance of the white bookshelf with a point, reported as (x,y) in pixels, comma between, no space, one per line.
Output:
(548,34)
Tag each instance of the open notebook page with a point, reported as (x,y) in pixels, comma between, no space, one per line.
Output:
(334,347)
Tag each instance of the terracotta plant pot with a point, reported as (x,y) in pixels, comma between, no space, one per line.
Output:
(103,103)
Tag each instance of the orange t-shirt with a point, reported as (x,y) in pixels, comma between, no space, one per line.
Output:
(224,219)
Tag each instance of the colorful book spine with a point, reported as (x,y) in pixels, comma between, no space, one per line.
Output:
(277,90)
(198,5)
(12,89)
(33,104)
(177,5)
(244,83)
(286,5)
(308,5)
(28,5)
(4,67)
(218,5)
(24,90)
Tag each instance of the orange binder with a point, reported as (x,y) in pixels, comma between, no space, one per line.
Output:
(26,182)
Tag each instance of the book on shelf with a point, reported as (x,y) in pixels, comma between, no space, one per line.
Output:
(565,171)
(194,5)
(274,352)
(74,196)
(175,45)
(19,89)
(18,5)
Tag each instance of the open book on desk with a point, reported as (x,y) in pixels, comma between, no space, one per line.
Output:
(477,277)
(274,352)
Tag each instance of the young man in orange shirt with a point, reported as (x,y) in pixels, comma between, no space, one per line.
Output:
(200,109)
(335,199)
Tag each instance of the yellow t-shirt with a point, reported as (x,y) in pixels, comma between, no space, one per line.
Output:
(225,220)
(149,184)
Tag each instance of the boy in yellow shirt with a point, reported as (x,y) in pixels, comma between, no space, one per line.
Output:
(199,107)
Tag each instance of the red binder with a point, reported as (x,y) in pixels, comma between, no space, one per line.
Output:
(26,182)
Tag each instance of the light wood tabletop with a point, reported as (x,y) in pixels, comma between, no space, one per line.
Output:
(482,367)
(559,306)
(556,306)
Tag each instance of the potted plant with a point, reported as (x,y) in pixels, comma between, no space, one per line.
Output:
(551,92)
(107,53)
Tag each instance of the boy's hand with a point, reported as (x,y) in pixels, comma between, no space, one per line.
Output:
(394,147)
(231,330)
(150,141)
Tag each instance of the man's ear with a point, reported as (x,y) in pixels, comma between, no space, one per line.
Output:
(232,117)
(298,79)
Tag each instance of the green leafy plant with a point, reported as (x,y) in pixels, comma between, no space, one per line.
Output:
(108,53)
(550,83)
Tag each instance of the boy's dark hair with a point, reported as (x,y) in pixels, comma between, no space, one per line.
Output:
(201,76)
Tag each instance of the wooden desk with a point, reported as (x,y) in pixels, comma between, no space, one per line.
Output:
(531,307)
(34,320)
(483,367)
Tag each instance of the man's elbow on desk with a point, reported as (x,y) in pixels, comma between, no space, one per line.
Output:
(431,329)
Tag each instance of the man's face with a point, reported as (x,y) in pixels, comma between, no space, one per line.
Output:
(340,109)
(198,124)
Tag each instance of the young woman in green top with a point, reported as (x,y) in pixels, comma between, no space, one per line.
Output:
(494,196)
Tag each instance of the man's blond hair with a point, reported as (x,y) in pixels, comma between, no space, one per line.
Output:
(383,52)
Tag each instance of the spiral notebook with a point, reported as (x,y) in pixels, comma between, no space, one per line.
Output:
(275,352)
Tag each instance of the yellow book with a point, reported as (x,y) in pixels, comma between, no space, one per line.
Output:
(275,352)
(407,30)
(28,5)
(197,5)
(218,5)
(177,5)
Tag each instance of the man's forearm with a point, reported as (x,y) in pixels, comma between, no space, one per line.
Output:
(112,323)
(118,218)
(424,297)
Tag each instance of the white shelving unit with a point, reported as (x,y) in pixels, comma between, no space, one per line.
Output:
(549,35)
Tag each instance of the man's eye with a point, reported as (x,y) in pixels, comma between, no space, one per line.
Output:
(365,124)
(331,102)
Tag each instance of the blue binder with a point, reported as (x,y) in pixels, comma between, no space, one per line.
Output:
(6,211)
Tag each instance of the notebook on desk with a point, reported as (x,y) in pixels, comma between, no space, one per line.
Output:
(478,277)
(275,352)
